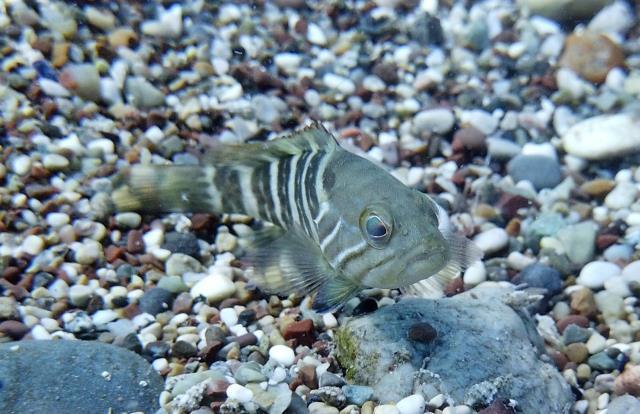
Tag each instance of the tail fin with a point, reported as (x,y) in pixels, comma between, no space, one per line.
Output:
(163,188)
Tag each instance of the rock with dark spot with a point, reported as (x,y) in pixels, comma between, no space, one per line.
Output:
(156,300)
(422,332)
(75,377)
(485,350)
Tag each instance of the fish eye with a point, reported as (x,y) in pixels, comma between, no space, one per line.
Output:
(376,225)
(376,228)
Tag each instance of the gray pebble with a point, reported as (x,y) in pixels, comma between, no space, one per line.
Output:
(357,394)
(602,362)
(541,171)
(155,300)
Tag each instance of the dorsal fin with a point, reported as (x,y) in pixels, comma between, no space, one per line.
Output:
(314,137)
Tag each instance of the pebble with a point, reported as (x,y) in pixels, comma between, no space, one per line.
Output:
(413,404)
(214,287)
(282,354)
(128,220)
(239,393)
(539,170)
(179,263)
(541,276)
(386,409)
(55,162)
(32,245)
(21,164)
(591,55)
(155,300)
(475,274)
(322,408)
(628,382)
(439,121)
(602,362)
(610,304)
(603,137)
(356,394)
(583,302)
(315,35)
(578,241)
(577,352)
(229,316)
(83,80)
(142,93)
(594,274)
(622,196)
(339,83)
(492,240)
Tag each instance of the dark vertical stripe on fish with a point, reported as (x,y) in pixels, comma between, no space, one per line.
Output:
(283,191)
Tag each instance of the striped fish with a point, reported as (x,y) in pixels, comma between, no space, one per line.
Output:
(340,222)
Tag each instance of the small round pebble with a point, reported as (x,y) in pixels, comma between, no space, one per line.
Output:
(282,354)
(239,393)
(593,275)
(492,240)
(413,404)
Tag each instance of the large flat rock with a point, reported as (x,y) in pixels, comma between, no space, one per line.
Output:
(473,348)
(75,377)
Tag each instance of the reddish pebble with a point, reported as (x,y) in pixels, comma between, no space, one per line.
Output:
(498,407)
(217,389)
(113,253)
(183,303)
(301,332)
(12,274)
(579,320)
(135,243)
(468,140)
(14,329)
(210,352)
(454,287)
(509,204)
(605,240)
(309,376)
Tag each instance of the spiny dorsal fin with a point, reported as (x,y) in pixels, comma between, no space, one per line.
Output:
(314,137)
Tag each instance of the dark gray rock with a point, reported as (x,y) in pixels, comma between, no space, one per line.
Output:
(541,171)
(484,350)
(538,275)
(75,377)
(186,243)
(156,300)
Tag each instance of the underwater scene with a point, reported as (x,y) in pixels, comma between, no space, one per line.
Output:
(320,207)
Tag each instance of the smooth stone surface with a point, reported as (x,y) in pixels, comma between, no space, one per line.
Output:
(156,300)
(538,275)
(539,170)
(439,120)
(579,241)
(357,394)
(624,404)
(214,288)
(75,377)
(594,274)
(482,345)
(564,10)
(603,137)
(492,240)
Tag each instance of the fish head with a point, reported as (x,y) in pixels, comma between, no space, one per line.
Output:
(406,237)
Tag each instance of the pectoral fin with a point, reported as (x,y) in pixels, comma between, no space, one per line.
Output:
(334,292)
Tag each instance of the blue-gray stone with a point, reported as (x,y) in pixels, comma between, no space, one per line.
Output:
(155,300)
(357,394)
(538,275)
(602,362)
(541,171)
(329,379)
(75,377)
(624,404)
(483,345)
(574,333)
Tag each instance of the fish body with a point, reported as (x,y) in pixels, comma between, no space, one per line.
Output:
(340,222)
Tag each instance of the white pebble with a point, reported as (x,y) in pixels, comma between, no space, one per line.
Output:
(631,272)
(160,364)
(439,120)
(593,275)
(373,83)
(38,332)
(79,295)
(437,401)
(21,164)
(104,316)
(53,88)
(622,196)
(288,62)
(604,136)
(545,150)
(57,220)
(386,409)
(479,119)
(339,83)
(214,288)
(101,146)
(154,134)
(315,35)
(59,289)
(492,240)
(282,354)
(413,404)
(475,274)
(239,393)
(229,316)
(329,320)
(596,343)
(54,162)
(32,245)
